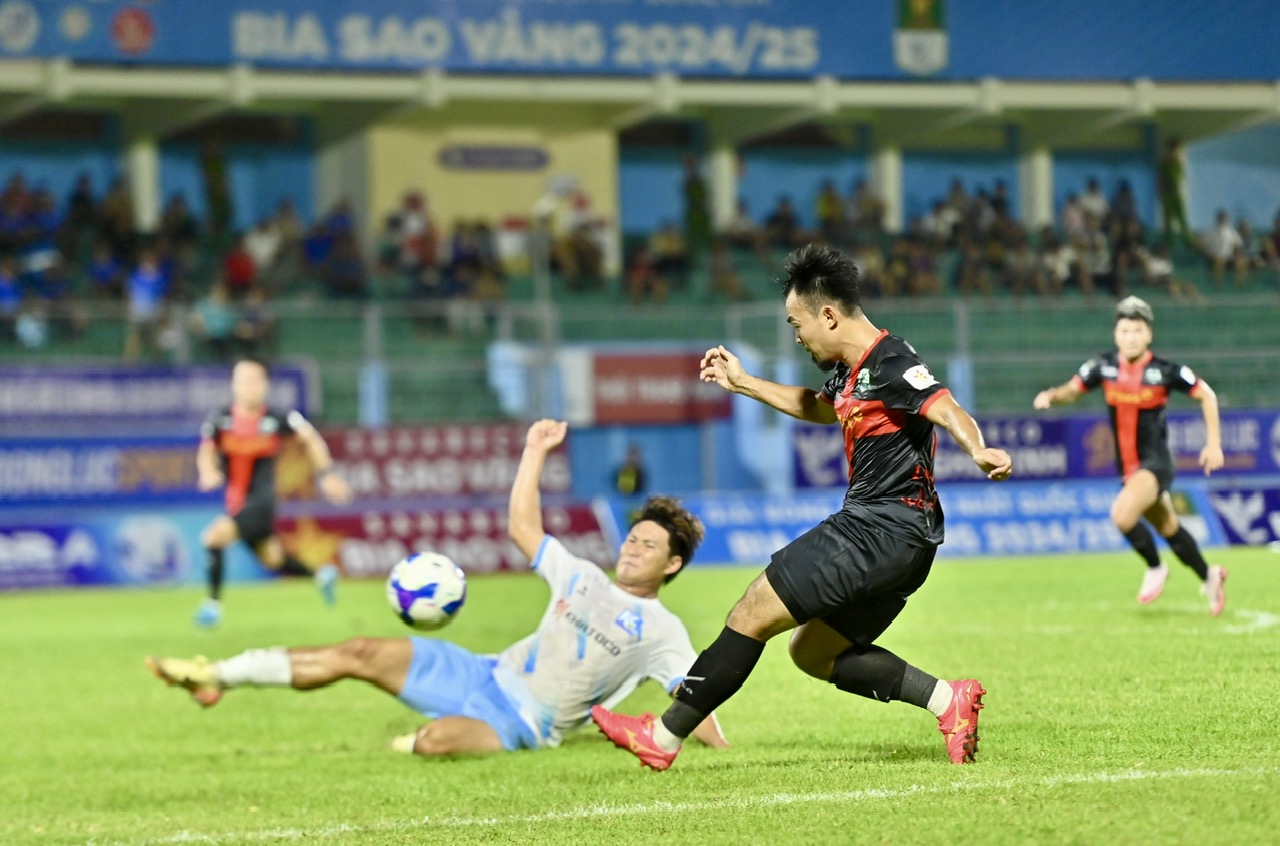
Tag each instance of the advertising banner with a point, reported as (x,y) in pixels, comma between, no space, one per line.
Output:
(1041,450)
(434,461)
(1250,515)
(368,543)
(1022,518)
(48,549)
(379,464)
(96,398)
(1035,518)
(654,387)
(98,470)
(1048,448)
(1092,39)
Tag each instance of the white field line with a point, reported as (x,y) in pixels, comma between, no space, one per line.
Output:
(607,811)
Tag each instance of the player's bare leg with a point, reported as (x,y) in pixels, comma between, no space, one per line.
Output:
(272,554)
(382,662)
(215,538)
(717,674)
(876,673)
(1212,579)
(450,736)
(1141,491)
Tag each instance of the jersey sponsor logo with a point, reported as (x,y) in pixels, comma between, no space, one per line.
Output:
(255,445)
(919,377)
(863,383)
(1116,396)
(589,631)
(631,621)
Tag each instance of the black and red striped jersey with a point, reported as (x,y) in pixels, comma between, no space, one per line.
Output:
(880,403)
(1136,394)
(247,445)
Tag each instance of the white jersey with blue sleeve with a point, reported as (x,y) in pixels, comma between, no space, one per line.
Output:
(595,644)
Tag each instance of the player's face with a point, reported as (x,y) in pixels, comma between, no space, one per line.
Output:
(1133,336)
(645,557)
(811,332)
(249,385)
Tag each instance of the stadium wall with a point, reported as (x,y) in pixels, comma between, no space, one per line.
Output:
(487,173)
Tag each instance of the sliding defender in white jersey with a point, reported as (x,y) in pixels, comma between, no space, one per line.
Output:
(598,639)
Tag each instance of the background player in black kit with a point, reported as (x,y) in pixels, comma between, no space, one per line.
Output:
(842,583)
(238,447)
(1136,384)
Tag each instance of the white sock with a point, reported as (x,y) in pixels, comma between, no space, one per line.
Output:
(256,667)
(940,699)
(662,735)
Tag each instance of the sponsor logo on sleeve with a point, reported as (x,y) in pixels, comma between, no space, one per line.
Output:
(919,377)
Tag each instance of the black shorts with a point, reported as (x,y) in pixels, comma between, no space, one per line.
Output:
(850,575)
(1163,471)
(256,521)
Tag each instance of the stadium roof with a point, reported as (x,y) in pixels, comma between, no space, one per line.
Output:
(163,101)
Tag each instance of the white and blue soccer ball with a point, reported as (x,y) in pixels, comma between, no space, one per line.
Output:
(426,590)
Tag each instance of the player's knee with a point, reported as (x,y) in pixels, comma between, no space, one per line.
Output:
(1122,519)
(359,652)
(809,662)
(215,537)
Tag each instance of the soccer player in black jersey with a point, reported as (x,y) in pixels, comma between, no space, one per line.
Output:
(238,447)
(841,584)
(1135,385)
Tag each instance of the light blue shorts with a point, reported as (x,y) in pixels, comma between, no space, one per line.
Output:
(446,680)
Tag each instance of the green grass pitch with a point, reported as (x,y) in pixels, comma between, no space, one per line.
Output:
(1106,723)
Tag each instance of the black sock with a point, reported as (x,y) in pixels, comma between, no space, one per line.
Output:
(293,567)
(1188,551)
(1140,539)
(717,674)
(877,673)
(215,573)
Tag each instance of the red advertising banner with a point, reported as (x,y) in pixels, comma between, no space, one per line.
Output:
(654,388)
(367,544)
(417,461)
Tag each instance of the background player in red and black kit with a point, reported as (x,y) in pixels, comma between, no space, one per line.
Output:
(1136,384)
(842,583)
(238,447)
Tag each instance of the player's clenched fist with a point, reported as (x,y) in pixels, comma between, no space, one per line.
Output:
(546,435)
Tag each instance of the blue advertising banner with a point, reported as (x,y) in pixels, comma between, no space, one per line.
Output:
(1048,448)
(56,549)
(99,470)
(949,39)
(1062,517)
(1015,518)
(1250,515)
(1041,449)
(1250,443)
(34,400)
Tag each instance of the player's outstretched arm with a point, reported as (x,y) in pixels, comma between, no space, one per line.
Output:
(1064,394)
(948,414)
(524,511)
(1211,457)
(332,485)
(723,367)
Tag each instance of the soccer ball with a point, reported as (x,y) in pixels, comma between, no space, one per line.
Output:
(426,590)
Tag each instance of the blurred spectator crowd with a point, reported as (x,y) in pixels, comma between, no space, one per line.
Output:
(66,262)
